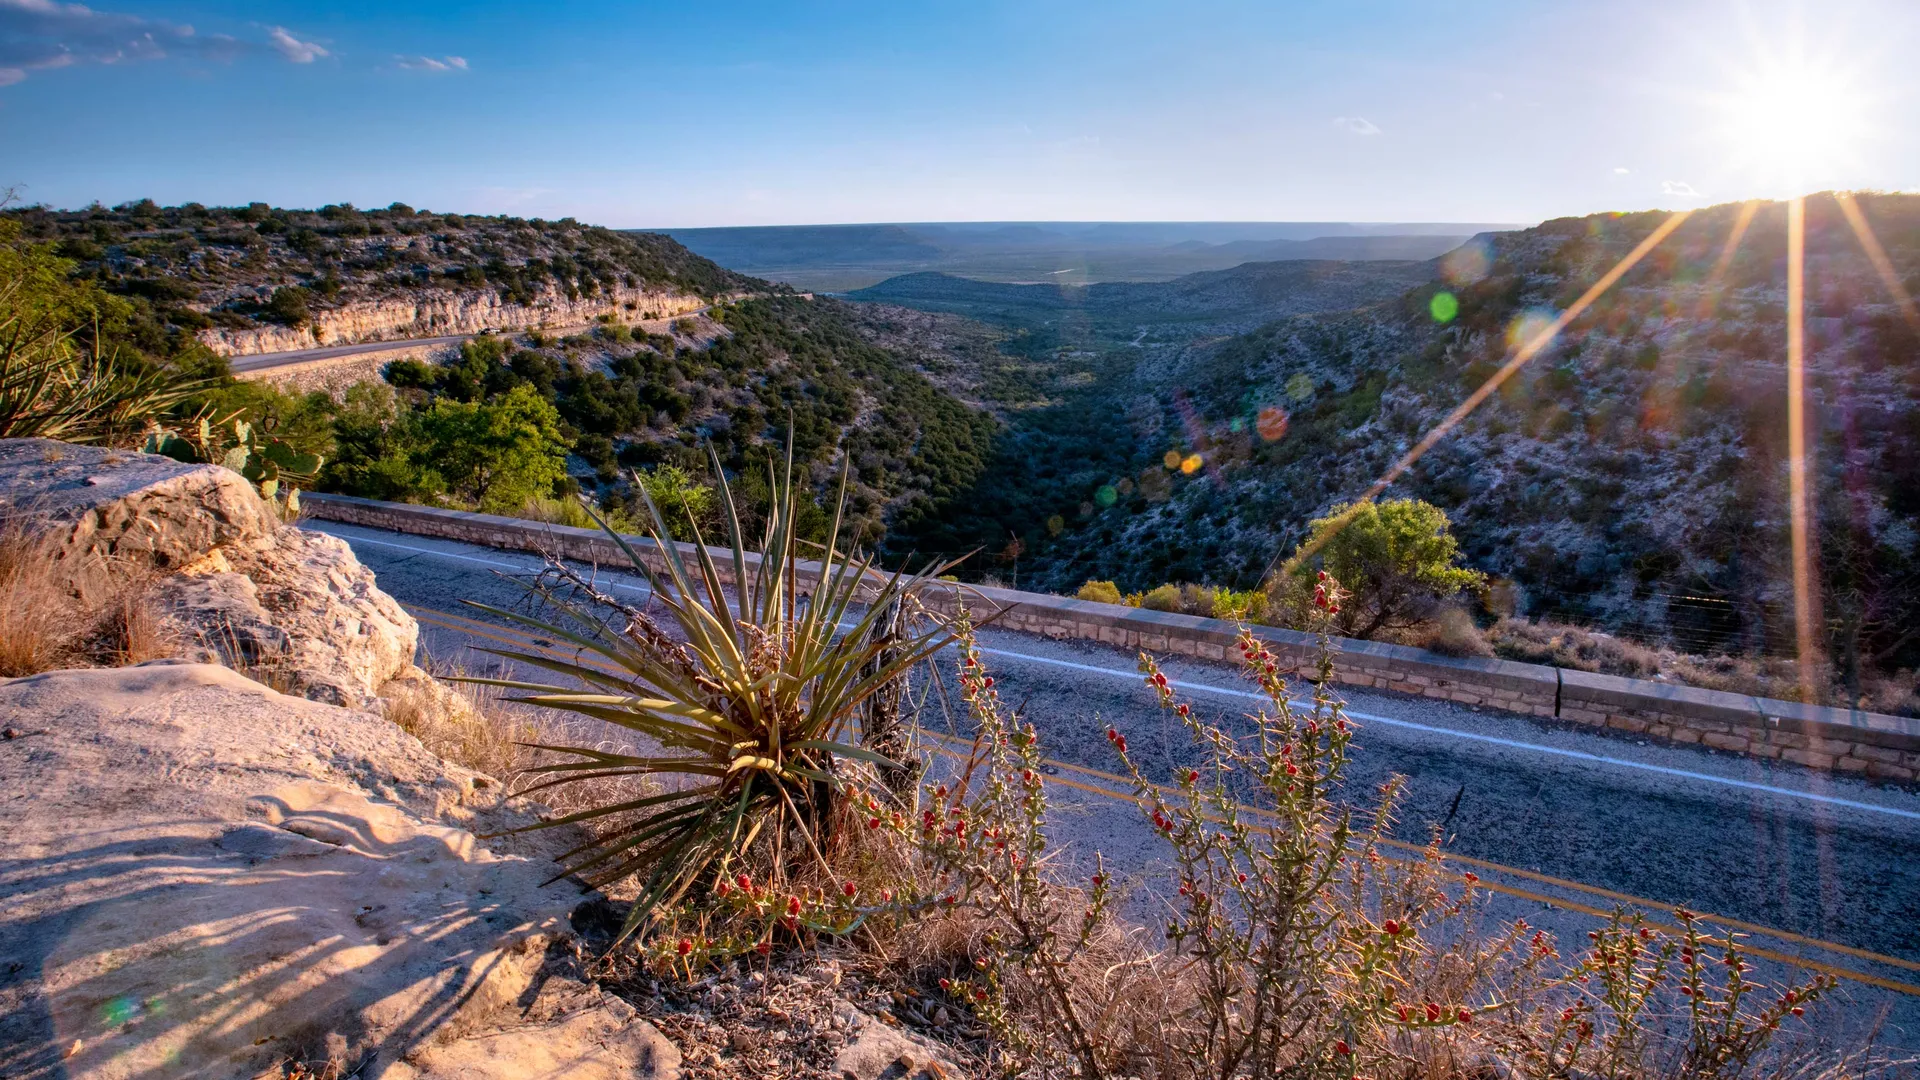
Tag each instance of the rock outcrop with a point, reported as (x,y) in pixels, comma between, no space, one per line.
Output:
(298,610)
(234,585)
(100,510)
(201,877)
(448,312)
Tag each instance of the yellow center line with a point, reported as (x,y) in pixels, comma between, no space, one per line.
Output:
(526,640)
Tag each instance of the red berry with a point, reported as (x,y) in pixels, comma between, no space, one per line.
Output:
(763,948)
(1342,1048)
(849,889)
(684,947)
(1392,927)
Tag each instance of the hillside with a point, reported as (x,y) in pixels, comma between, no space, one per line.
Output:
(1632,476)
(260,279)
(1213,302)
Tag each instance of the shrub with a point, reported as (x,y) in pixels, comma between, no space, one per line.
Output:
(1397,558)
(685,504)
(1164,598)
(1248,606)
(1451,632)
(1100,592)
(288,306)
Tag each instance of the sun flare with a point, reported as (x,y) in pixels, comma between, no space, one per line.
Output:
(1792,122)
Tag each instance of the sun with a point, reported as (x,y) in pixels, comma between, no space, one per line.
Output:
(1794,123)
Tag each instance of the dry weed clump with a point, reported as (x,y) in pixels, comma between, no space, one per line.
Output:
(1568,646)
(44,625)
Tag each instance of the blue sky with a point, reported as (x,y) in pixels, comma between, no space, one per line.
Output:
(749,113)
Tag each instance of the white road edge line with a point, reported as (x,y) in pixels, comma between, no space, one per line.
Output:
(1494,740)
(1555,751)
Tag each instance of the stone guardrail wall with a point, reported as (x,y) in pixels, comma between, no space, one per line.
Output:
(1842,740)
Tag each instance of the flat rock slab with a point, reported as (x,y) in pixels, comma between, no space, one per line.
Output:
(200,877)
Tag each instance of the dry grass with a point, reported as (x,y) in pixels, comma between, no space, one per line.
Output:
(36,615)
(1568,646)
(1450,632)
(479,728)
(44,626)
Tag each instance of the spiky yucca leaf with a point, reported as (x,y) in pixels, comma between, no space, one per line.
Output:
(749,697)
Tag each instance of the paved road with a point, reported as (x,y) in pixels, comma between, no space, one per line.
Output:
(263,361)
(1562,820)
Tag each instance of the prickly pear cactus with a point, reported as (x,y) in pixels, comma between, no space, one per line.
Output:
(269,464)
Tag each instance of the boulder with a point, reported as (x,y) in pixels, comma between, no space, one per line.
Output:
(296,610)
(201,877)
(99,508)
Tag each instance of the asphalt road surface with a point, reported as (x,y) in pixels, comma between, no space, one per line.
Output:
(1561,824)
(263,361)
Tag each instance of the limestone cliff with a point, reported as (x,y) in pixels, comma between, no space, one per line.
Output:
(438,312)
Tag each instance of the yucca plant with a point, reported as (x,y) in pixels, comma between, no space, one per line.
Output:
(750,696)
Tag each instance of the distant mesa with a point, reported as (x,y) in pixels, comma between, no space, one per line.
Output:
(842,258)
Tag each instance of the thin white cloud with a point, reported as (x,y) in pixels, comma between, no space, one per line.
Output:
(41,35)
(1359,125)
(300,52)
(1621,170)
(429,63)
(1679,189)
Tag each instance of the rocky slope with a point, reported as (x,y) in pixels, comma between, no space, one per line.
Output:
(1634,475)
(263,279)
(240,868)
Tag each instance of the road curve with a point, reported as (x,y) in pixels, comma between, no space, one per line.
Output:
(1561,822)
(266,361)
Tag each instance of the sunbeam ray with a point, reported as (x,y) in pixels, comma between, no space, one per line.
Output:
(1527,351)
(1803,598)
(1877,255)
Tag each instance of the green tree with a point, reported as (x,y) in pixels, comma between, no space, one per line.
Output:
(496,454)
(380,452)
(1397,558)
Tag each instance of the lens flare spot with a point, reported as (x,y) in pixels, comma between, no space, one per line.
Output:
(1106,496)
(1527,326)
(1272,423)
(119,1011)
(1237,425)
(1172,459)
(1300,387)
(1191,464)
(1443,307)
